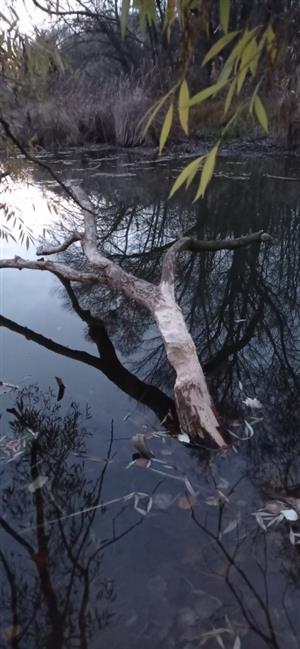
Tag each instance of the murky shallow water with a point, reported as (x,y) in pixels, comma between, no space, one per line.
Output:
(75,573)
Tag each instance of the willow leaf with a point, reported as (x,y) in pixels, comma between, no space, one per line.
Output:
(229,97)
(207,172)
(219,45)
(260,113)
(166,127)
(187,173)
(124,16)
(224,14)
(183,106)
(206,93)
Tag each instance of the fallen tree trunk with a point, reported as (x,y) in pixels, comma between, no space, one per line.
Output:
(193,401)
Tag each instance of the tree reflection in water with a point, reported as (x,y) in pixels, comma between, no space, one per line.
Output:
(243,311)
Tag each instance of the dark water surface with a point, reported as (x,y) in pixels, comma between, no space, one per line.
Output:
(148,570)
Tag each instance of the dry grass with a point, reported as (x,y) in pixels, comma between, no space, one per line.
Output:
(78,113)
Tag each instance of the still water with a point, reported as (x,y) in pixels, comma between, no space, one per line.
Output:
(97,549)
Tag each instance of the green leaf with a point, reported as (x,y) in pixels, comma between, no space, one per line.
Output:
(229,97)
(183,106)
(124,16)
(206,92)
(164,134)
(224,13)
(187,173)
(207,172)
(218,46)
(260,113)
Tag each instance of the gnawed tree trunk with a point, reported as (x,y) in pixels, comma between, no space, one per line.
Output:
(193,402)
(192,398)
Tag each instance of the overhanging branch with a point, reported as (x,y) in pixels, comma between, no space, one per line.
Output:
(63,270)
(197,245)
(60,247)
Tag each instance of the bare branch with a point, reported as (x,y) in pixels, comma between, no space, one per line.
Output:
(197,245)
(53,267)
(51,250)
(134,288)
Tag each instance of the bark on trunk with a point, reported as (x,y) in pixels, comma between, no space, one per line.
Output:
(192,399)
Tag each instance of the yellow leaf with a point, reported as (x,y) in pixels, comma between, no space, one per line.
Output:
(183,106)
(226,71)
(253,97)
(219,45)
(170,16)
(207,172)
(260,113)
(205,93)
(124,16)
(187,173)
(152,112)
(164,134)
(249,55)
(241,78)
(224,13)
(229,97)
(249,52)
(241,44)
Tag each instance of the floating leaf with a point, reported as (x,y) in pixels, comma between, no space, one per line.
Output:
(212,501)
(218,46)
(207,172)
(143,462)
(248,429)
(189,487)
(38,483)
(141,446)
(142,503)
(186,502)
(223,483)
(183,437)
(224,13)
(261,114)
(166,127)
(290,514)
(252,403)
(230,527)
(183,106)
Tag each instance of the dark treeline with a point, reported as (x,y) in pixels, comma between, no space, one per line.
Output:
(81,82)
